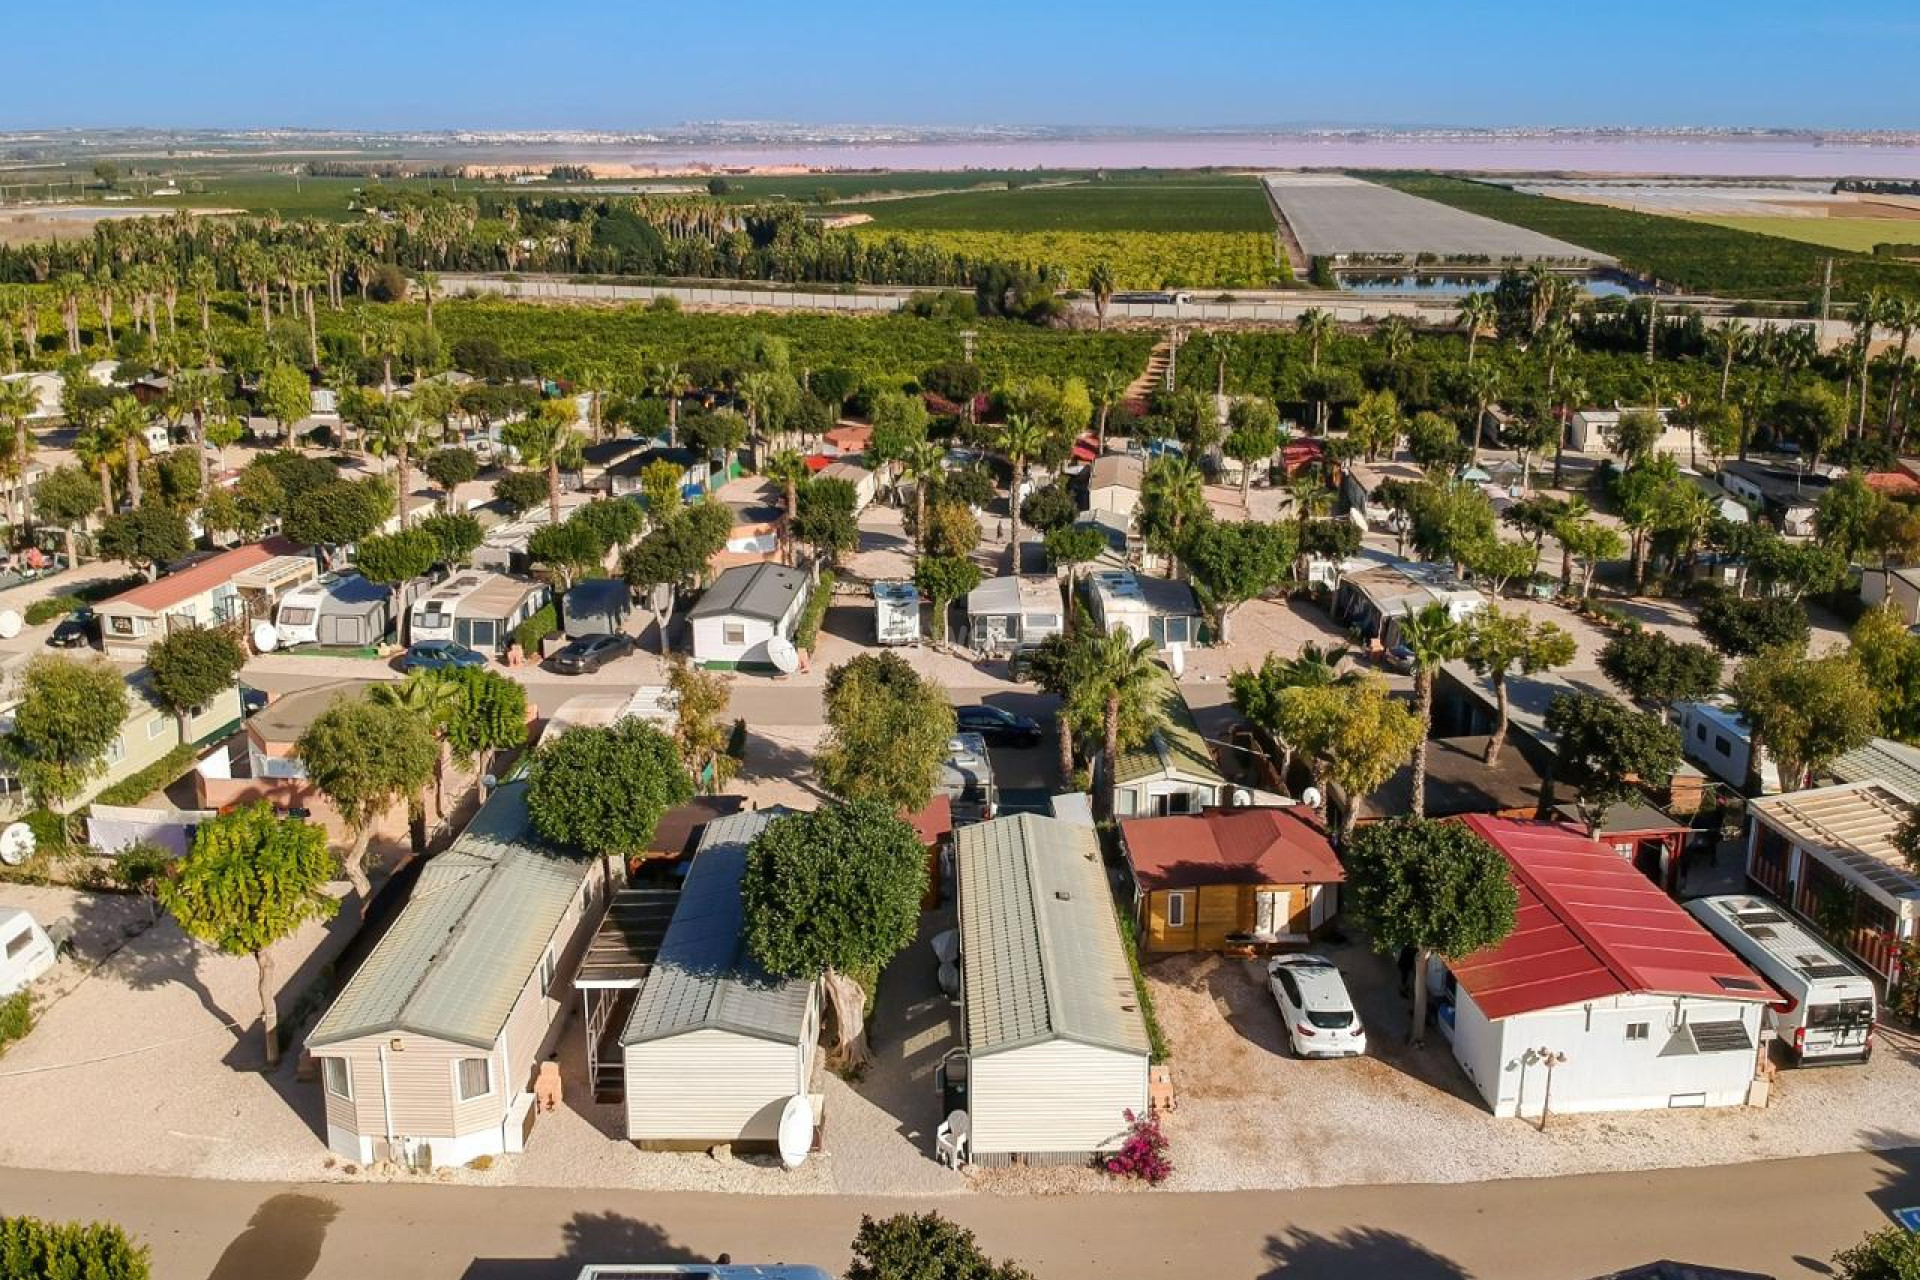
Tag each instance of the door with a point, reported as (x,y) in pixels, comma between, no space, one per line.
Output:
(1272,912)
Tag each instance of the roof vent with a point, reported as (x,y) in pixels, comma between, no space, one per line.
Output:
(1063,895)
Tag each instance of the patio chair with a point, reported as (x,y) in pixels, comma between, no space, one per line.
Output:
(950,1140)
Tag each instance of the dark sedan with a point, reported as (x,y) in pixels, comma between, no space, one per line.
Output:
(999,728)
(440,655)
(587,654)
(76,630)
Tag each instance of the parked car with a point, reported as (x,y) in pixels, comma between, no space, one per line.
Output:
(75,631)
(1399,658)
(586,654)
(1321,1021)
(1020,662)
(999,728)
(252,700)
(438,655)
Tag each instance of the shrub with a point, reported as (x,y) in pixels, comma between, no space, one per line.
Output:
(1143,1156)
(16,1018)
(94,1250)
(1130,940)
(808,629)
(52,832)
(52,607)
(163,772)
(537,628)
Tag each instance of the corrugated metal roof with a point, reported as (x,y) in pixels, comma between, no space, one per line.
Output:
(1176,745)
(176,588)
(1040,944)
(1895,765)
(1590,927)
(703,978)
(469,938)
(762,591)
(1854,823)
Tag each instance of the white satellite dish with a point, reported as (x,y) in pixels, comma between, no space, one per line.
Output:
(16,844)
(796,1131)
(265,638)
(1242,798)
(785,658)
(1177,660)
(1312,798)
(10,624)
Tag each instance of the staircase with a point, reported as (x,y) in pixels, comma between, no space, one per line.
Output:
(1153,378)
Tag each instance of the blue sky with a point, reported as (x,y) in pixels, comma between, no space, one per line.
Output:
(634,63)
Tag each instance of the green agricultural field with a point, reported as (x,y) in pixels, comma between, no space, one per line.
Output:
(1697,256)
(1856,235)
(892,349)
(807,187)
(1195,202)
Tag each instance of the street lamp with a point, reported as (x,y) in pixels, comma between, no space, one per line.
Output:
(1551,1058)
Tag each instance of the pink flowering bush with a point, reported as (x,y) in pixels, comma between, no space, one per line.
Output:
(1143,1155)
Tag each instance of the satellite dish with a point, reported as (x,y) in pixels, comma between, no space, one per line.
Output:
(946,946)
(785,658)
(1177,660)
(10,624)
(796,1131)
(265,638)
(1242,798)
(16,844)
(1312,798)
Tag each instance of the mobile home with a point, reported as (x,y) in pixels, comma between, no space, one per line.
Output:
(896,613)
(476,609)
(427,1055)
(1202,881)
(1830,1007)
(746,609)
(336,609)
(716,1047)
(1056,1051)
(237,586)
(1146,608)
(1004,614)
(1172,771)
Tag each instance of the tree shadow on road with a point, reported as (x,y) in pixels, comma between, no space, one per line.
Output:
(1356,1251)
(283,1239)
(588,1238)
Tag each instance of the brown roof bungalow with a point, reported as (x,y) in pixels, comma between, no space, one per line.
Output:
(1231,877)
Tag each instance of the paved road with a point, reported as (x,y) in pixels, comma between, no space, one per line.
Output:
(1782,1218)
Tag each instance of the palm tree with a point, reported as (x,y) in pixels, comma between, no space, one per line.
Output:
(1223,351)
(1124,678)
(1476,317)
(1175,491)
(670,382)
(18,402)
(1317,328)
(1727,342)
(428,283)
(1020,440)
(789,470)
(1867,316)
(1258,693)
(126,424)
(756,388)
(923,463)
(1573,391)
(1396,341)
(396,424)
(1483,388)
(431,698)
(1435,638)
(1108,390)
(1100,285)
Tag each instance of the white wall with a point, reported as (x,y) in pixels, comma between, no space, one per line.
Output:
(1060,1096)
(711,1086)
(1145,793)
(1605,1070)
(710,643)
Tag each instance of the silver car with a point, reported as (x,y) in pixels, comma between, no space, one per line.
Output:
(1320,1017)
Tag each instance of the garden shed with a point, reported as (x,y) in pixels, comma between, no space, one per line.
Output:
(716,1046)
(597,606)
(1057,1052)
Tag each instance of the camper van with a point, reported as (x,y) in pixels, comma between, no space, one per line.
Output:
(896,613)
(26,951)
(1829,1009)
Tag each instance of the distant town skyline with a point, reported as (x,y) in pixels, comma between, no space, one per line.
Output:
(605,65)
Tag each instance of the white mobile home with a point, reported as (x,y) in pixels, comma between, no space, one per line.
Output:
(1606,996)
(1113,486)
(1896,588)
(237,586)
(1172,771)
(866,484)
(1056,1050)
(1146,608)
(1716,737)
(1004,614)
(476,609)
(336,609)
(716,1047)
(896,613)
(428,1054)
(744,611)
(1590,431)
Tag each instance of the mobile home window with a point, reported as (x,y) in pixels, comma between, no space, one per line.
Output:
(18,943)
(1636,1031)
(156,727)
(474,1078)
(733,633)
(116,751)
(1722,746)
(339,1080)
(1176,911)
(1179,630)
(546,972)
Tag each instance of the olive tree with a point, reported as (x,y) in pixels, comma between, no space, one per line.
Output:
(603,789)
(366,757)
(193,666)
(69,713)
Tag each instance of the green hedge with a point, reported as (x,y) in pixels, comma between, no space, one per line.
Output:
(136,787)
(1130,939)
(16,1019)
(31,1249)
(52,607)
(535,629)
(816,613)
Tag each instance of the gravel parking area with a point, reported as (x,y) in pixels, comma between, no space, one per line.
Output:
(1249,1116)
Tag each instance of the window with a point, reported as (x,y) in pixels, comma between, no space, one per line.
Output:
(339,1079)
(18,943)
(1699,733)
(116,751)
(473,1078)
(1636,1031)
(120,626)
(1179,630)
(156,727)
(1721,745)
(296,617)
(1176,911)
(546,972)
(733,633)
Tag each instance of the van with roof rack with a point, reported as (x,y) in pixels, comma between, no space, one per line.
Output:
(1829,1007)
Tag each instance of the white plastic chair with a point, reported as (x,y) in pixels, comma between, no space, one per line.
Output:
(950,1140)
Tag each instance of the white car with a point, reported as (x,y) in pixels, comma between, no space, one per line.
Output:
(1321,1022)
